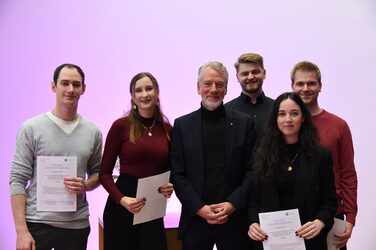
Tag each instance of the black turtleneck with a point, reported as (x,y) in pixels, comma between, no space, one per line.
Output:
(217,185)
(286,186)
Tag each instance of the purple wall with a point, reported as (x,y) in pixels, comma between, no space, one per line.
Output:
(113,40)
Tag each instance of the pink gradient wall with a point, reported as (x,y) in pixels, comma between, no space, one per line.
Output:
(113,40)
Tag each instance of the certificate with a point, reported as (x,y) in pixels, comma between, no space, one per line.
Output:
(338,227)
(281,227)
(155,205)
(51,192)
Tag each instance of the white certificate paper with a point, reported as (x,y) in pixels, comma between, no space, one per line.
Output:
(280,227)
(155,205)
(338,227)
(51,192)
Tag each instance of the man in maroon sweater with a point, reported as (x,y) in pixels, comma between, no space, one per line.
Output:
(334,134)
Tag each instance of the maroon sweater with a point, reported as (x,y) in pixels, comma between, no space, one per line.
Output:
(147,157)
(335,135)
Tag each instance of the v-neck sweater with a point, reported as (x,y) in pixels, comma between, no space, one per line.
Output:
(40,136)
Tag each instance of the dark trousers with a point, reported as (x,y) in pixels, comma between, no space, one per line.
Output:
(119,231)
(229,236)
(47,237)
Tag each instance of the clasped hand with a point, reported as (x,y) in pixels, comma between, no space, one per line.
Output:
(216,213)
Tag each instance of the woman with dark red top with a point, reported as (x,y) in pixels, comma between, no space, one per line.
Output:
(141,141)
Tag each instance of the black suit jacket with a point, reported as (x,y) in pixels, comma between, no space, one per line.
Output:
(314,195)
(187,162)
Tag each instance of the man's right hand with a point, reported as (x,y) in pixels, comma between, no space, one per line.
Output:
(25,241)
(208,214)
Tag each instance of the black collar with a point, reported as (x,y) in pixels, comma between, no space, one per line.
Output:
(260,98)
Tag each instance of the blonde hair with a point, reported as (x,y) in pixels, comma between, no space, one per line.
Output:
(249,58)
(305,66)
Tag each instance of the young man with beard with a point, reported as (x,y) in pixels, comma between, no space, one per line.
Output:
(251,73)
(334,134)
(59,132)
(211,150)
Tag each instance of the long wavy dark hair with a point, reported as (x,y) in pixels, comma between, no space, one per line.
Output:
(271,155)
(134,117)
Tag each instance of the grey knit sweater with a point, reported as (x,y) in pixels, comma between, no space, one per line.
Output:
(40,136)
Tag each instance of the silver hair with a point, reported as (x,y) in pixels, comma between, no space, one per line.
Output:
(217,66)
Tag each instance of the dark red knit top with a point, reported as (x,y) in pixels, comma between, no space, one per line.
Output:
(149,156)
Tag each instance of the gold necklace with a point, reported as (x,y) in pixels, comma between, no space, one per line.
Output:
(289,168)
(148,129)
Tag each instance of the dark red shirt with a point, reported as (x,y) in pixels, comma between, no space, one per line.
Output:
(147,157)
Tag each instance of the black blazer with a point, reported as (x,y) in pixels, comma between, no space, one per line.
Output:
(187,162)
(314,196)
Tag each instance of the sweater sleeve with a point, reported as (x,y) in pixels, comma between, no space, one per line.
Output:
(95,159)
(348,180)
(110,154)
(23,162)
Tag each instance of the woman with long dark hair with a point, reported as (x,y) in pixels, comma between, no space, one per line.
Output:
(291,170)
(141,141)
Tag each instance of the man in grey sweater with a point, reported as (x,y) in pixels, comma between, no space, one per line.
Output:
(60,132)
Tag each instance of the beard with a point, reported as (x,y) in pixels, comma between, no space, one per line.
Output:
(210,105)
(252,87)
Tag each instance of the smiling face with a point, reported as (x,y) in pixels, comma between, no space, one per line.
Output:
(307,86)
(145,96)
(289,120)
(212,88)
(68,88)
(251,77)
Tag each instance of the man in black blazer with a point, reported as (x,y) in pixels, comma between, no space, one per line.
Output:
(211,149)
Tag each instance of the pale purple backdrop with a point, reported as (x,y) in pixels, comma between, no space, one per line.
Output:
(113,40)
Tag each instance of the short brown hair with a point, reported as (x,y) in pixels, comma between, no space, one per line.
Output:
(249,58)
(305,66)
(69,66)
